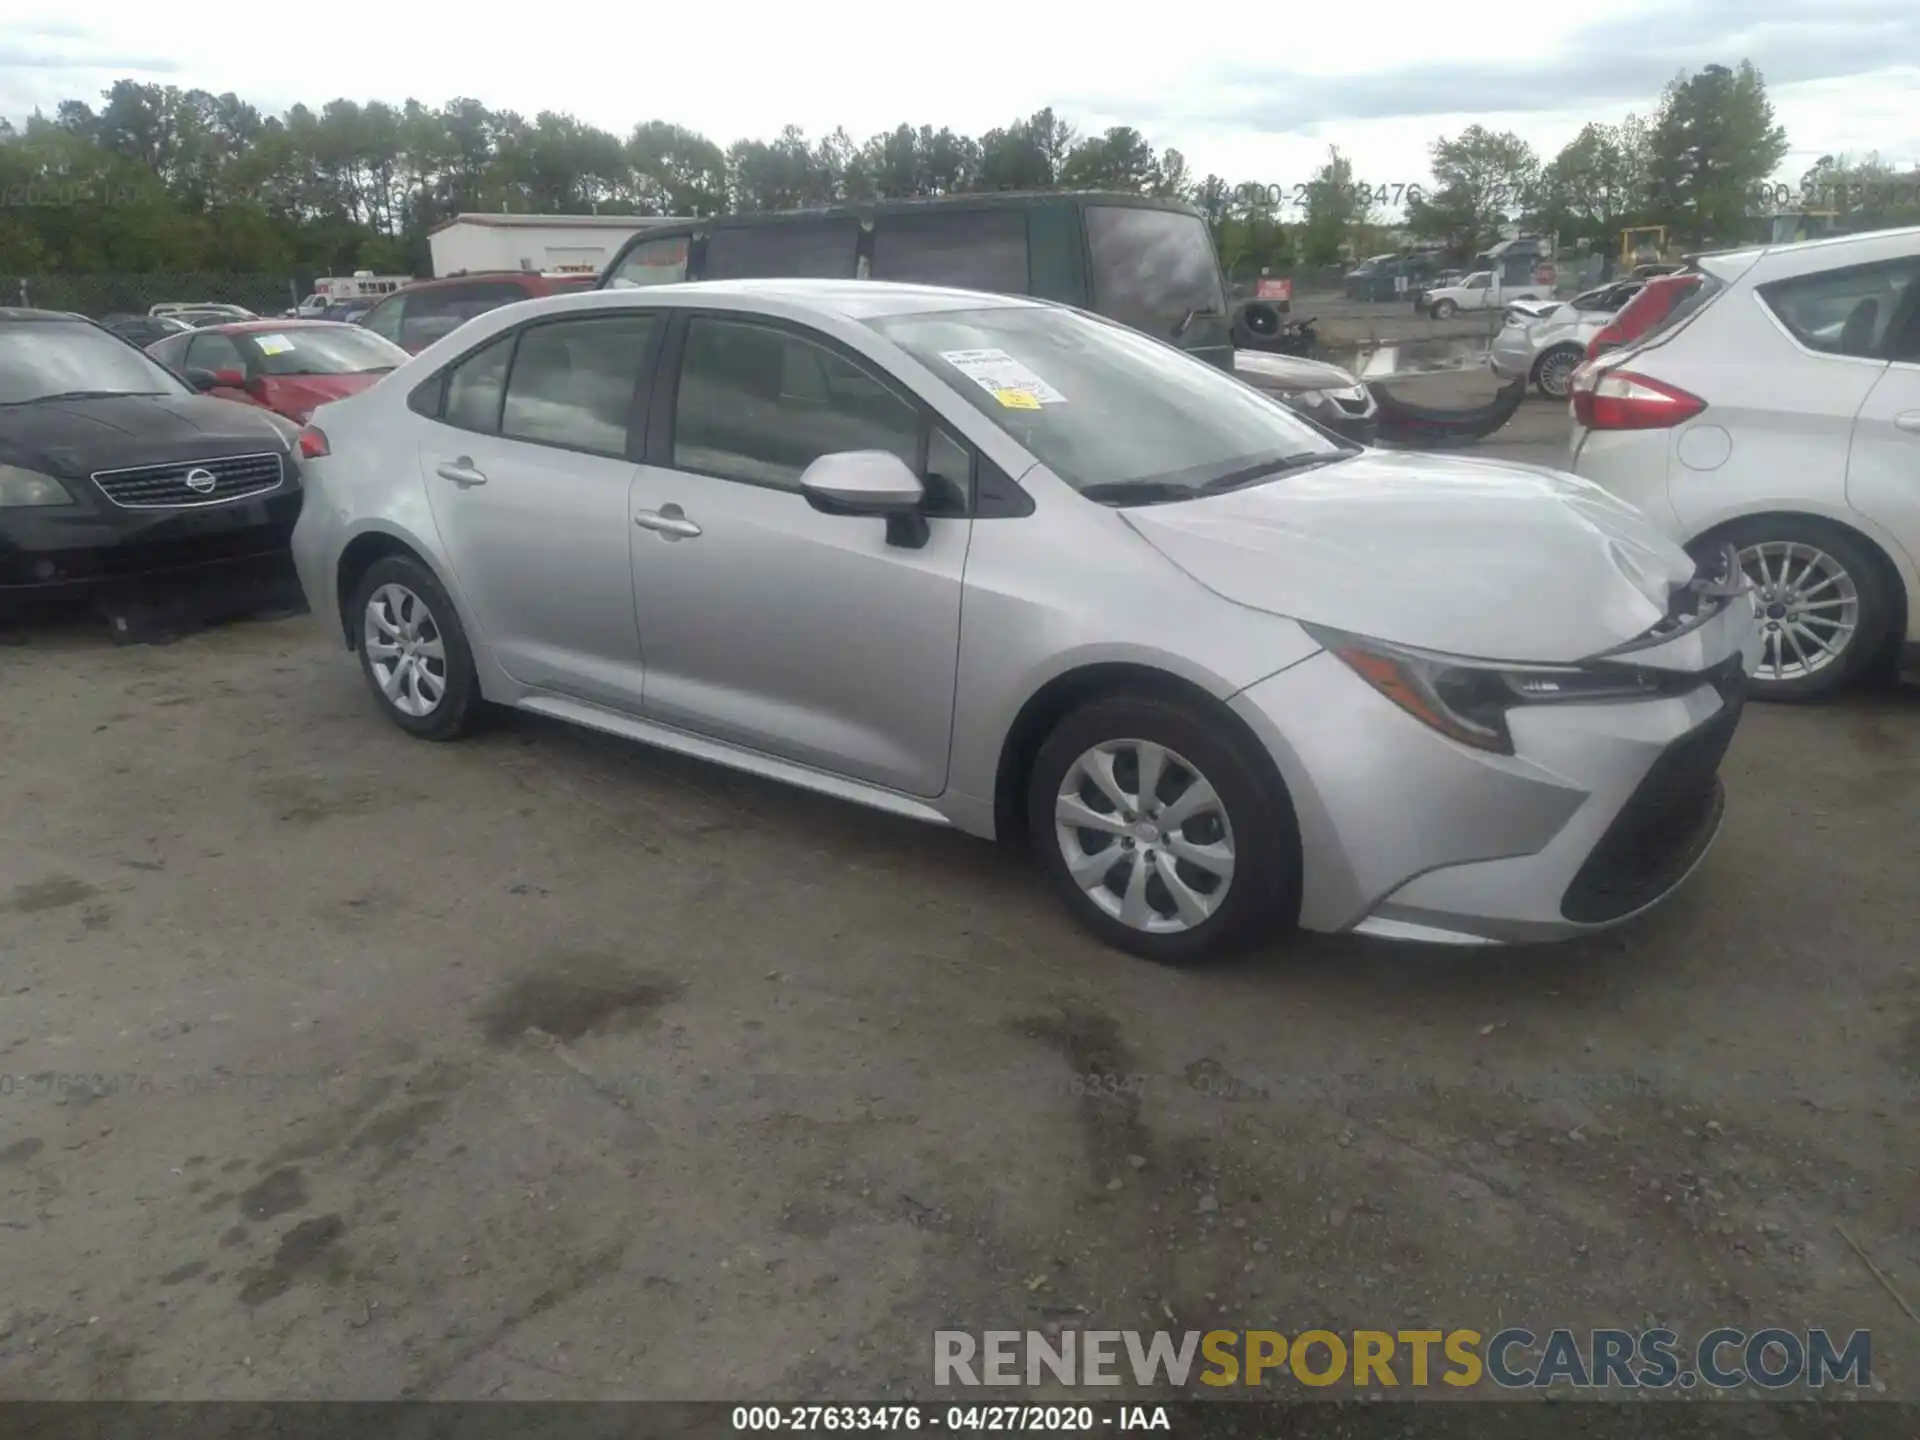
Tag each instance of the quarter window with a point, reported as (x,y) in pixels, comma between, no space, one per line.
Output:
(760,404)
(573,382)
(477,386)
(1843,312)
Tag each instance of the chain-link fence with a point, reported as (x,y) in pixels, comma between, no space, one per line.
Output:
(114,294)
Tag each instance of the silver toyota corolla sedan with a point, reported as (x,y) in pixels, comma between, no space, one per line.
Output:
(1001,565)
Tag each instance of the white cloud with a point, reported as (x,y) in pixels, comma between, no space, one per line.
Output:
(1254,99)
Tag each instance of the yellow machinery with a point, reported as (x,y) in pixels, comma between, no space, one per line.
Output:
(1631,245)
(1793,226)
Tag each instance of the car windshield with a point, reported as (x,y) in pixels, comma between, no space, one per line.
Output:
(1115,414)
(40,360)
(314,350)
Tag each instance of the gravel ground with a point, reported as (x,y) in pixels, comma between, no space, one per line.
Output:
(543,1066)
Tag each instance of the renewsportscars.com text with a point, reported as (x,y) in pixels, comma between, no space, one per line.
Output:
(1510,1359)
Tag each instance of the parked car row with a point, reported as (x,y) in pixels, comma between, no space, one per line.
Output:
(745,519)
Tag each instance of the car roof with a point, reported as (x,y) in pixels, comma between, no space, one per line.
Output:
(20,313)
(848,299)
(271,327)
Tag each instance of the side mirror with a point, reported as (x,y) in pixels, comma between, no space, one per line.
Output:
(202,380)
(870,482)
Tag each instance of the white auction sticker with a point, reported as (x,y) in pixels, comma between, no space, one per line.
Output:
(1004,378)
(274,344)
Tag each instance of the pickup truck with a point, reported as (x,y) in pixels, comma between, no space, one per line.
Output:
(1479,291)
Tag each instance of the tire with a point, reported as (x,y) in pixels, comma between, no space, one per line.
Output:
(1553,371)
(457,707)
(1847,585)
(1252,823)
(1442,309)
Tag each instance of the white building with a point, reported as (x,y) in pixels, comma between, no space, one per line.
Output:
(533,242)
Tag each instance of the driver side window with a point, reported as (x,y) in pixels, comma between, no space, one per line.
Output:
(759,404)
(214,352)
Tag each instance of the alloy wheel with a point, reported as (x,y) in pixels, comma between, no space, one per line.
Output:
(1555,373)
(1809,607)
(406,650)
(1145,836)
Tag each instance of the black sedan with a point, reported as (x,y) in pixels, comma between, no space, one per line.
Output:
(112,467)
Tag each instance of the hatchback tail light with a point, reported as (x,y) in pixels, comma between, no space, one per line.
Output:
(1622,400)
(313,442)
(1657,299)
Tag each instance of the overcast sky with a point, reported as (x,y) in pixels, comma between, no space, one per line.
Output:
(1255,96)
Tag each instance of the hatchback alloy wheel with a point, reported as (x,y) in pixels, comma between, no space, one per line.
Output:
(1145,835)
(1809,607)
(1556,373)
(406,650)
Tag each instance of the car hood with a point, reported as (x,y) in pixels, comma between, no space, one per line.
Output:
(73,438)
(298,396)
(1289,374)
(1475,558)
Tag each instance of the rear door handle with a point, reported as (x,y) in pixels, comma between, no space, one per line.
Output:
(668,521)
(1909,421)
(461,472)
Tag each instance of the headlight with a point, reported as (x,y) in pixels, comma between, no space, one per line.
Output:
(21,488)
(1468,700)
(1351,394)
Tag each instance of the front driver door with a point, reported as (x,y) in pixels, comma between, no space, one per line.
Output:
(770,625)
(527,469)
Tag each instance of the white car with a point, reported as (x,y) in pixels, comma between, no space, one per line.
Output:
(1777,406)
(1543,342)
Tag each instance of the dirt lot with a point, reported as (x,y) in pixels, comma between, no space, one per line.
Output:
(543,1066)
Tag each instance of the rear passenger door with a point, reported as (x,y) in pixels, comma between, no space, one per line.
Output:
(528,455)
(768,624)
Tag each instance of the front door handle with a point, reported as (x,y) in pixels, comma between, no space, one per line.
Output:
(668,520)
(461,472)
(1909,421)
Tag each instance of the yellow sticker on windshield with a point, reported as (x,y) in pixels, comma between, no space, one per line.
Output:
(1018,399)
(273,344)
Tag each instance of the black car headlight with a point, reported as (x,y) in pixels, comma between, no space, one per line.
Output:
(1468,700)
(21,489)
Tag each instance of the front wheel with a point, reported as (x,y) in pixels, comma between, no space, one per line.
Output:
(1442,309)
(1825,609)
(1161,830)
(413,650)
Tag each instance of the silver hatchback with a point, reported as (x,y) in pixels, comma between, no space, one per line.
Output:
(1001,565)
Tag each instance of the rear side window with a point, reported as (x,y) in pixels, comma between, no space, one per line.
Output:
(651,262)
(477,386)
(806,249)
(967,249)
(1843,312)
(1151,268)
(573,382)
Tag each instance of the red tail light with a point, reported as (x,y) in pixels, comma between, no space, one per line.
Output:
(313,442)
(1622,400)
(1655,302)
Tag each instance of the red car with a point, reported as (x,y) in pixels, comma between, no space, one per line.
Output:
(287,366)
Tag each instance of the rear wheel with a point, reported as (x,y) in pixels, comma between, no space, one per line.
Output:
(1160,831)
(1825,606)
(1553,372)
